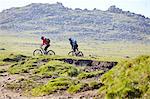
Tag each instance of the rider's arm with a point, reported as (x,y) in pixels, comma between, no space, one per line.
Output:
(42,43)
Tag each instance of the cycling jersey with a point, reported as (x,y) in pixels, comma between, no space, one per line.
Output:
(45,42)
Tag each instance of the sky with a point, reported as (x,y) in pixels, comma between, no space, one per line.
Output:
(137,6)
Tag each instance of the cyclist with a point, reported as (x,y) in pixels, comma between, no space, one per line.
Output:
(73,44)
(45,43)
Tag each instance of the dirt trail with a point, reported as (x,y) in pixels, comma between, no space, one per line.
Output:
(10,94)
(7,78)
(5,93)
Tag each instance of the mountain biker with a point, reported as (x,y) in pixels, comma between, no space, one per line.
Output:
(46,43)
(74,44)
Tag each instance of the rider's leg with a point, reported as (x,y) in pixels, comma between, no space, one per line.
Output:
(74,48)
(77,48)
(45,49)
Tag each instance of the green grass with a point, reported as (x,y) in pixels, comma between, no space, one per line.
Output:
(129,79)
(57,68)
(95,85)
(2,63)
(76,88)
(52,86)
(2,57)
(82,86)
(85,75)
(22,66)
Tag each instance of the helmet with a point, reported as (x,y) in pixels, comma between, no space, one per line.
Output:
(42,37)
(70,39)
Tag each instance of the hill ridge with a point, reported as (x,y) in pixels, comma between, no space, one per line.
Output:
(56,21)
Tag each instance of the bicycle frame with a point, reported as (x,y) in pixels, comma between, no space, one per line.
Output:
(42,50)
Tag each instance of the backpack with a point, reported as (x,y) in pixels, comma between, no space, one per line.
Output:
(47,40)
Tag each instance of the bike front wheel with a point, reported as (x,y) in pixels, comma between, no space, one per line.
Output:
(50,52)
(80,54)
(37,52)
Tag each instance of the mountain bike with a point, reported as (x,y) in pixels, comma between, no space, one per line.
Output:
(41,51)
(76,53)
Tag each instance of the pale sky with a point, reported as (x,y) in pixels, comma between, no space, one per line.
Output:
(137,6)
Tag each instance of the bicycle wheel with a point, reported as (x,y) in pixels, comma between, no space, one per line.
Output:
(37,52)
(50,52)
(79,54)
(71,53)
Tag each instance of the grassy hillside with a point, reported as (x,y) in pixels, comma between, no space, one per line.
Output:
(129,79)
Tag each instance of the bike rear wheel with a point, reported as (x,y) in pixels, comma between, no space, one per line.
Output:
(50,52)
(71,53)
(37,52)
